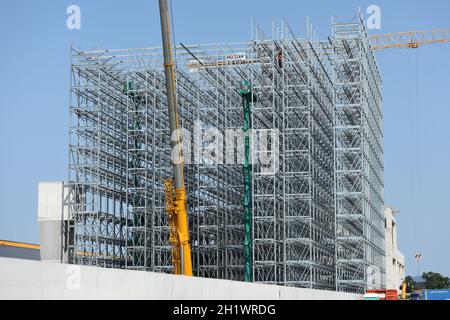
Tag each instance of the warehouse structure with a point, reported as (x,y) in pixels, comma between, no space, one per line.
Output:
(317,159)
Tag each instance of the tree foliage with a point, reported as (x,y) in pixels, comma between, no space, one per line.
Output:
(434,280)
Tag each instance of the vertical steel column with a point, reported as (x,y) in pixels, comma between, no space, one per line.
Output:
(246,94)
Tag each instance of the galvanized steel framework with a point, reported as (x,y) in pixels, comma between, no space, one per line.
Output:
(359,161)
(119,156)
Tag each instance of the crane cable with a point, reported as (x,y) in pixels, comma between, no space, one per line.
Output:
(419,153)
(415,133)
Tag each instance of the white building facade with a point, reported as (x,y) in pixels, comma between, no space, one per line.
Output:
(395,260)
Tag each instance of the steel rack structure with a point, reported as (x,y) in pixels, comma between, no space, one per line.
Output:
(316,158)
(359,161)
(97,163)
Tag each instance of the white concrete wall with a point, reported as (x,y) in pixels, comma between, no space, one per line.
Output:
(395,261)
(50,201)
(53,213)
(22,279)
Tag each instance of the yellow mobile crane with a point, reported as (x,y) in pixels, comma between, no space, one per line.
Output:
(175,192)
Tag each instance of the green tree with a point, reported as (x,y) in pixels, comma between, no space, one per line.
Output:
(434,280)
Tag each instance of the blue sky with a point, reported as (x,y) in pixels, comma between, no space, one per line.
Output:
(34,81)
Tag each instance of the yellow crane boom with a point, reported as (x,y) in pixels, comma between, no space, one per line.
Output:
(409,39)
(174,239)
(175,192)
